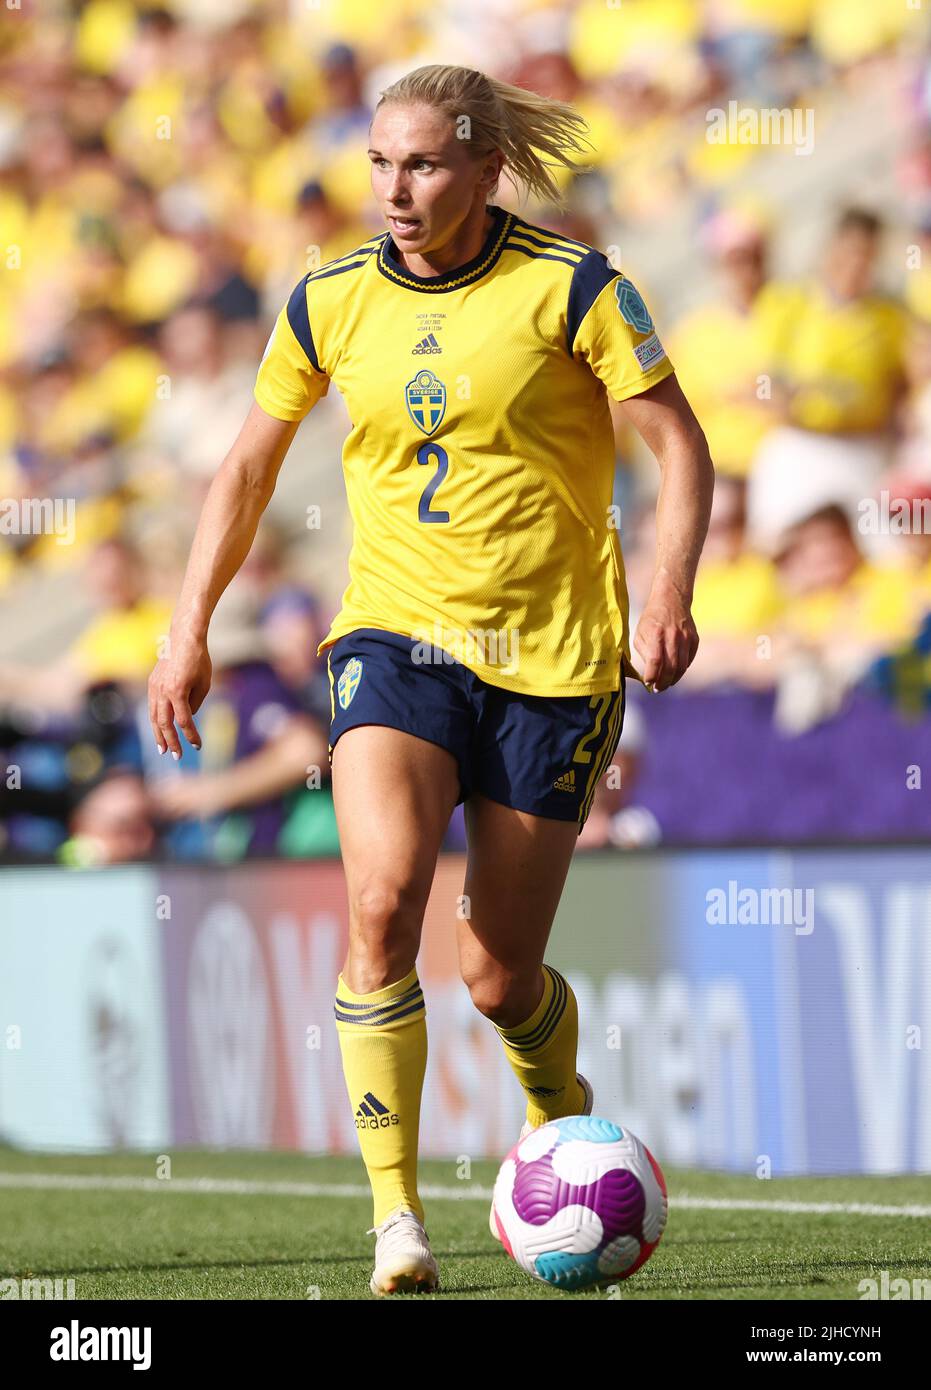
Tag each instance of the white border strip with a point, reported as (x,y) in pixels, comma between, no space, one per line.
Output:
(233,1187)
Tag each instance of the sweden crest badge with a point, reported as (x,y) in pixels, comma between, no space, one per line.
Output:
(426,401)
(348,683)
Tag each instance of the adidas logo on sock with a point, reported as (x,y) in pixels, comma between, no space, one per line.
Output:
(371,1114)
(544,1092)
(427,345)
(565,782)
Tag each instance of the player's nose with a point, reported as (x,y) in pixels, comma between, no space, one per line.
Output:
(397,191)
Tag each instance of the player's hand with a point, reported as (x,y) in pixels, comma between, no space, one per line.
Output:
(177,687)
(666,639)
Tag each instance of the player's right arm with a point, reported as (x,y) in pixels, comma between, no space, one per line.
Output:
(238,495)
(290,382)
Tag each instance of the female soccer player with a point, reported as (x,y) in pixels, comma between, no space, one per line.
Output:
(481,648)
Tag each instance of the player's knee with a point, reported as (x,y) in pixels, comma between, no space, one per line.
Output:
(382,905)
(385,933)
(502,997)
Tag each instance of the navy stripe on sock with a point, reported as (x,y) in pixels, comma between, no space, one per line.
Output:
(544,1030)
(377,1022)
(368,1009)
(548,1025)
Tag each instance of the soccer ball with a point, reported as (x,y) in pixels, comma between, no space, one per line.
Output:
(580,1201)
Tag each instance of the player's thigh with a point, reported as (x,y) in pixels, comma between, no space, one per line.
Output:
(399,735)
(537,763)
(516,870)
(393,794)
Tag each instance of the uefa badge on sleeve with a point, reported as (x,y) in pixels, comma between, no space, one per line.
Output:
(630,302)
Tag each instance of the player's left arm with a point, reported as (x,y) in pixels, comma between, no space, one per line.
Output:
(611,329)
(666,638)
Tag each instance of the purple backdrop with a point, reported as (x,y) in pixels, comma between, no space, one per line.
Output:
(715,769)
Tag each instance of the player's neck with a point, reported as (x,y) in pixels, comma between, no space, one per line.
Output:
(459,250)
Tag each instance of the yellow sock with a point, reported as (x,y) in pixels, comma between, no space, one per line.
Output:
(542,1052)
(383,1041)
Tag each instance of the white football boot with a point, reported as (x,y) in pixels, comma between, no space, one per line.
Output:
(404,1262)
(526,1127)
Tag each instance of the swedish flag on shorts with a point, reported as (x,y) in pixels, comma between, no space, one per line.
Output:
(348,682)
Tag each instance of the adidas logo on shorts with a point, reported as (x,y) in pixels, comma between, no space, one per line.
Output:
(566,782)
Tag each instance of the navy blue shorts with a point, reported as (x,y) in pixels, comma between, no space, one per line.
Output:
(540,754)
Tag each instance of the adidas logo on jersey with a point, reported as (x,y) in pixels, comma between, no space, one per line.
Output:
(427,345)
(371,1114)
(565,782)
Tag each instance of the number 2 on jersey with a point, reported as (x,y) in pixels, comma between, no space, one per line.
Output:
(425,454)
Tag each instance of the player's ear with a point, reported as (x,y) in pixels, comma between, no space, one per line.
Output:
(491,173)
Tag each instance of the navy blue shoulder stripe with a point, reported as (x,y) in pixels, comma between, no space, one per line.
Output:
(326,271)
(539,255)
(350,260)
(567,247)
(525,228)
(299,319)
(590,278)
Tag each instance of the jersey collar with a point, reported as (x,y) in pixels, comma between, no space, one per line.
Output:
(391,268)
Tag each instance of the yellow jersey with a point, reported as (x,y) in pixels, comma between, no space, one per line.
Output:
(842,362)
(736,598)
(878,603)
(480,464)
(122,645)
(720,356)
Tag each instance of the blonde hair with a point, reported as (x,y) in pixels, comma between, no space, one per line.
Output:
(535,134)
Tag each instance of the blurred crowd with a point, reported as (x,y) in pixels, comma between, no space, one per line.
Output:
(168,171)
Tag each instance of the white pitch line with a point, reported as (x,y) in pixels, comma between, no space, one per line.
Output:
(684,1201)
(234,1187)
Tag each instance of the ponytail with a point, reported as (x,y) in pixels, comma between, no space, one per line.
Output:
(535,134)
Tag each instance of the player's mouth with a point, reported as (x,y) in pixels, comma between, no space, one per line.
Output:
(404,228)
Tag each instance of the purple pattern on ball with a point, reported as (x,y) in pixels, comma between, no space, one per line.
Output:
(617,1197)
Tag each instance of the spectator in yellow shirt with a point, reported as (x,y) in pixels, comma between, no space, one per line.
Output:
(118,645)
(720,348)
(737,598)
(838,347)
(836,602)
(836,352)
(841,612)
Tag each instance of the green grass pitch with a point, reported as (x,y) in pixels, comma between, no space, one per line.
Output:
(103,1221)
